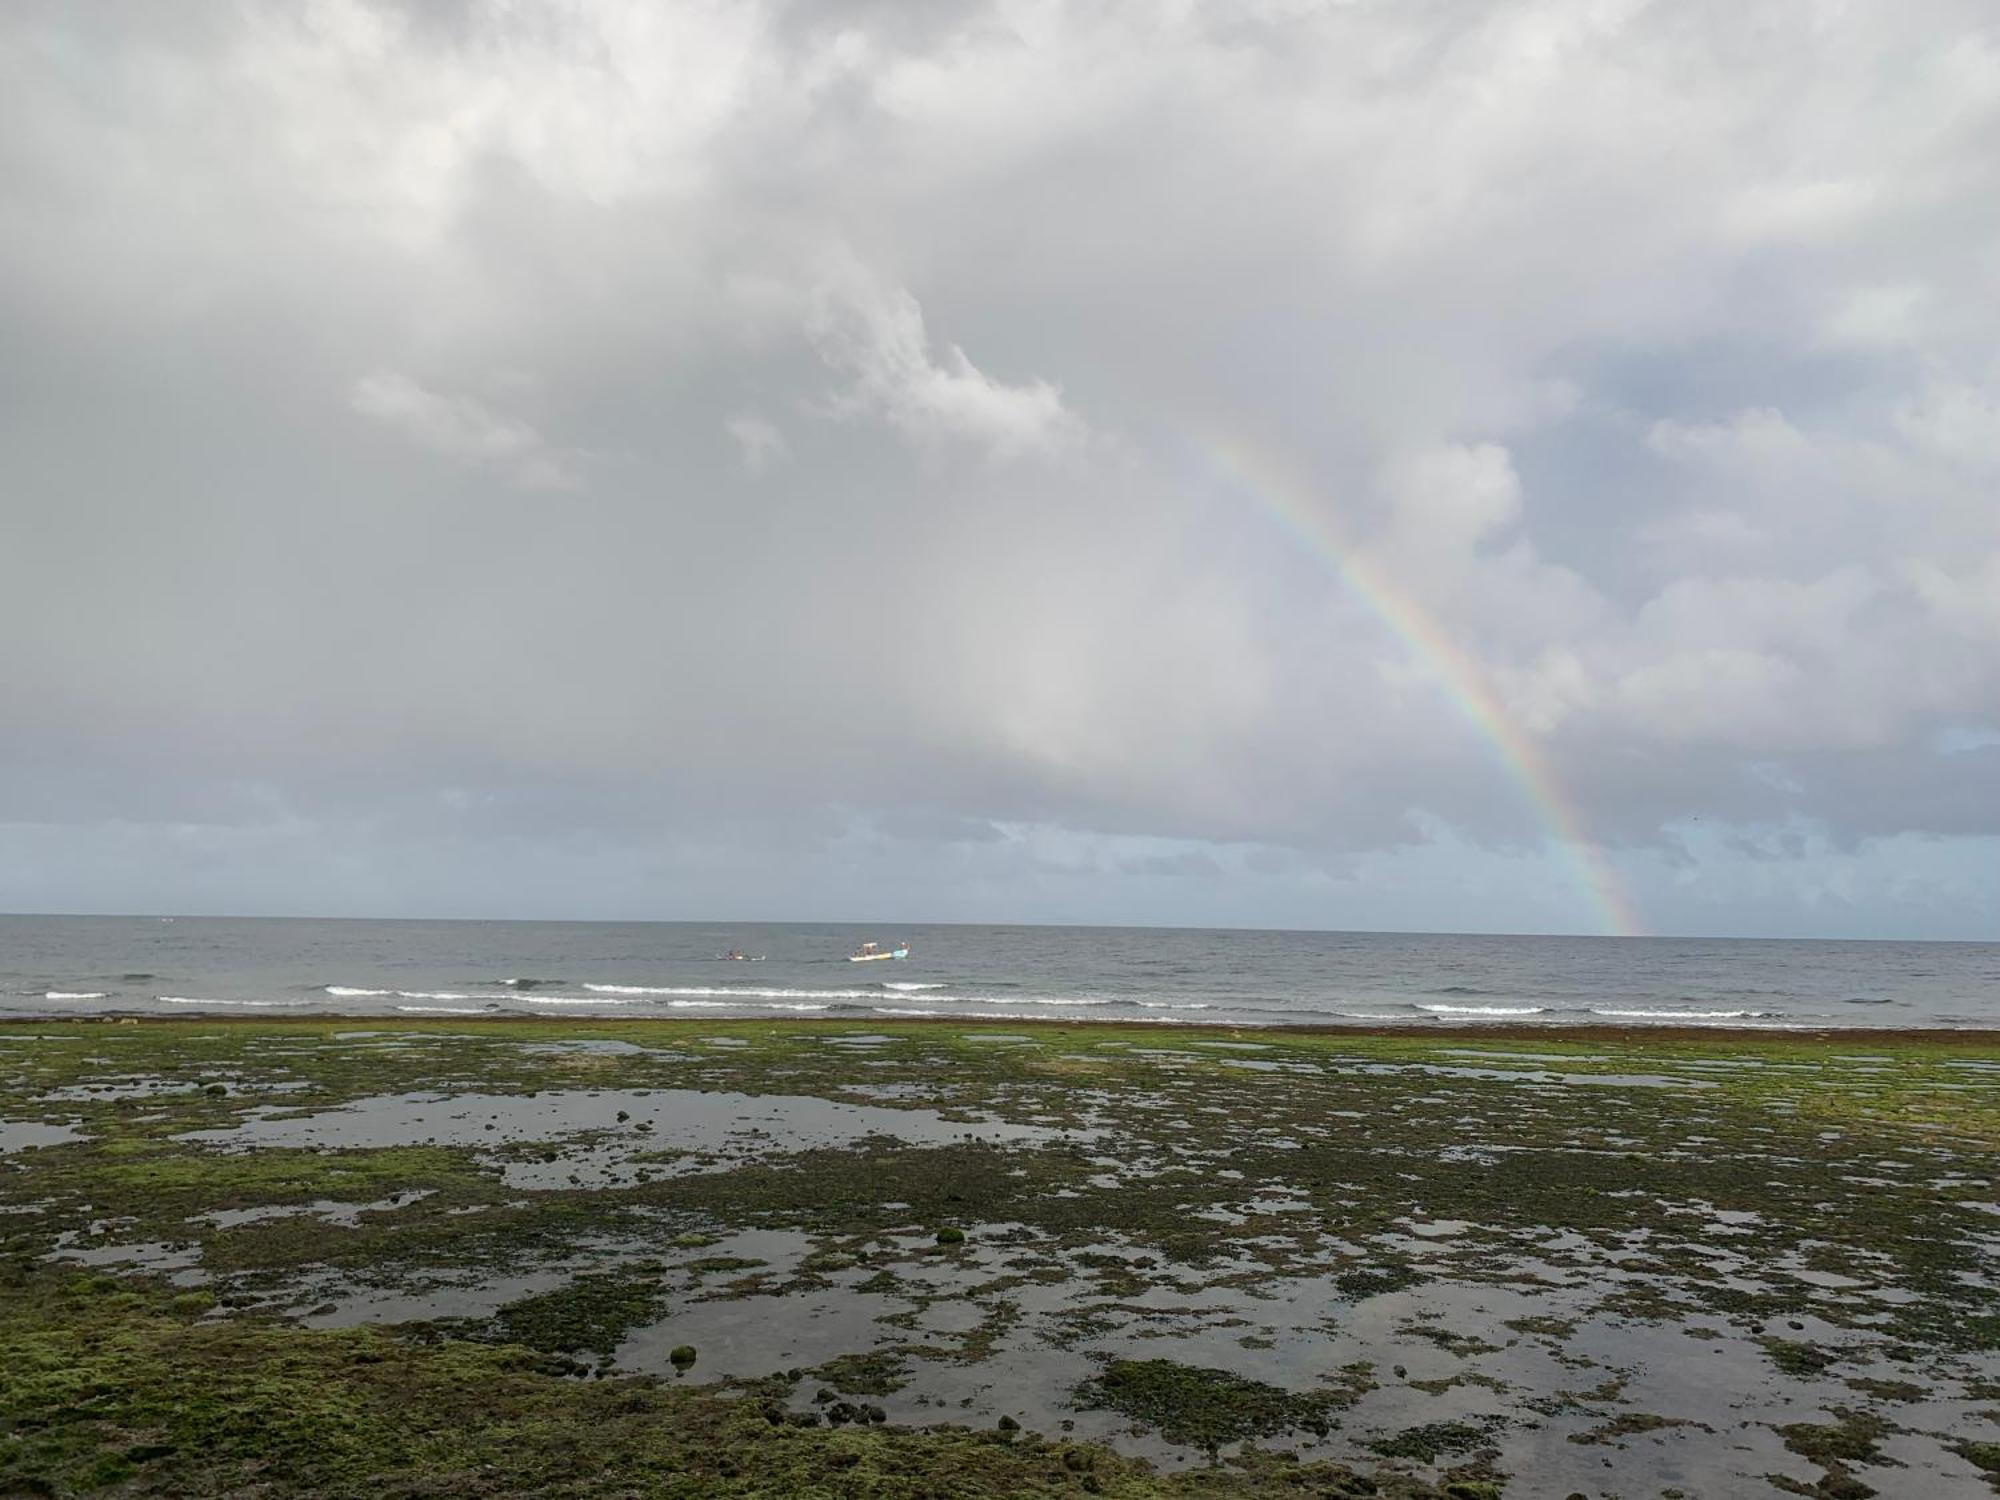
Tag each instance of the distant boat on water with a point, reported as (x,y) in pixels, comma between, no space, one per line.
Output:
(872,951)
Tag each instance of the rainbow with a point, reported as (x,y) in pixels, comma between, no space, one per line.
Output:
(1300,515)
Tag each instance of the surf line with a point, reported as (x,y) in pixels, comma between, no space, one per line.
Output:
(1297,512)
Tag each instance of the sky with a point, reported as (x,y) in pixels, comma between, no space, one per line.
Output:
(1414,464)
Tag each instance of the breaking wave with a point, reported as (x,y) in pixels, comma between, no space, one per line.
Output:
(1687,1015)
(73,995)
(353,992)
(201,1000)
(729,992)
(1485,1010)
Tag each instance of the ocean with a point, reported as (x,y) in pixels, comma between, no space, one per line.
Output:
(300,967)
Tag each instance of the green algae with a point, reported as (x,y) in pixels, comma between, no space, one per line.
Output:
(875,1374)
(1207,1408)
(1837,1164)
(590,1315)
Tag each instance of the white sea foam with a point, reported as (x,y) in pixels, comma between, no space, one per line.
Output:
(1484,1010)
(344,989)
(727,992)
(434,995)
(1176,1005)
(445,1010)
(909,987)
(200,1000)
(890,1010)
(1683,1015)
(1045,1000)
(73,995)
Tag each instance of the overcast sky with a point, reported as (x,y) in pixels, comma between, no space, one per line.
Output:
(774,460)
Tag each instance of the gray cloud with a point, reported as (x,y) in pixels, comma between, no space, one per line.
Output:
(696,459)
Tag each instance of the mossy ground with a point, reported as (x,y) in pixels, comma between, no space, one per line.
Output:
(1332,1260)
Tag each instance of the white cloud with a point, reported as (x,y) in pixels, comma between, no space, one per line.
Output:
(1955,420)
(874,333)
(760,445)
(464,431)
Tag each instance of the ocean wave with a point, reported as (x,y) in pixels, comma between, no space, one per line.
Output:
(354,992)
(201,1000)
(1048,1000)
(73,995)
(1685,1015)
(446,1010)
(726,992)
(1485,1010)
(528,984)
(891,1010)
(909,987)
(1176,1004)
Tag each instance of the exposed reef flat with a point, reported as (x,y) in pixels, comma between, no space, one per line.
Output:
(776,1257)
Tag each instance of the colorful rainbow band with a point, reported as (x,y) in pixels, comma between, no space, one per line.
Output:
(1301,516)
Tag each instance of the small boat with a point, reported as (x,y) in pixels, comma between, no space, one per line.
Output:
(872,951)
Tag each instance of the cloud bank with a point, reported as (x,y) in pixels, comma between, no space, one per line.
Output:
(749,460)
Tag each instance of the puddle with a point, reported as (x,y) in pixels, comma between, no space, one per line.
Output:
(27,1135)
(179,1264)
(601,1047)
(346,1215)
(664,1132)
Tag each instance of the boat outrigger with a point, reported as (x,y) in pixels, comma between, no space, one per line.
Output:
(872,951)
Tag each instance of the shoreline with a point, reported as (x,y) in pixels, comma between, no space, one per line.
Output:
(1970,1037)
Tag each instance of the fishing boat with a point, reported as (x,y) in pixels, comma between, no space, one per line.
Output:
(872,951)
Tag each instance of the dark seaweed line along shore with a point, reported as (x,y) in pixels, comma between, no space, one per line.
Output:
(782,1256)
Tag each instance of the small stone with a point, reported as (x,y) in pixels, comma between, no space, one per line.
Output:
(951,1236)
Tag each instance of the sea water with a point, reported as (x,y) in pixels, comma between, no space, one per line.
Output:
(300,967)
